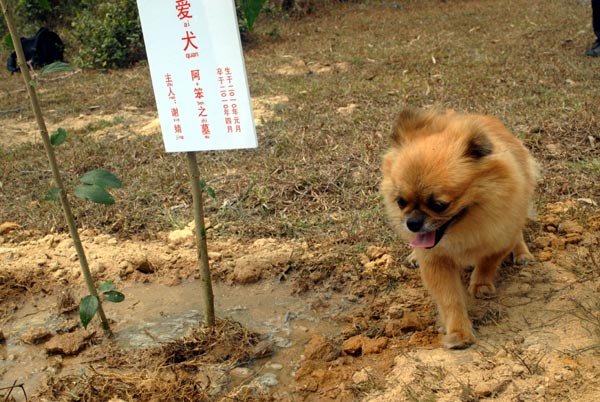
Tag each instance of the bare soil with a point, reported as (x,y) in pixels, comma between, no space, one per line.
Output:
(314,298)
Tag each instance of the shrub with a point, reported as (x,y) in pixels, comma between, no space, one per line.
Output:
(109,34)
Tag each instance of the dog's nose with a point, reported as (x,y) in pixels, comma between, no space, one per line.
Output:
(415,221)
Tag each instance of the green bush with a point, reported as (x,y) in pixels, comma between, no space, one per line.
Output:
(109,34)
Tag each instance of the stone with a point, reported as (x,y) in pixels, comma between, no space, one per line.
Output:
(353,346)
(267,380)
(246,273)
(570,227)
(395,311)
(360,377)
(241,372)
(361,344)
(483,389)
(319,348)
(518,370)
(274,366)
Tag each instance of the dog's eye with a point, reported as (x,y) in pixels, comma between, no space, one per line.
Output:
(437,206)
(401,202)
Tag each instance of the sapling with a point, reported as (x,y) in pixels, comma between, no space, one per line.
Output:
(94,183)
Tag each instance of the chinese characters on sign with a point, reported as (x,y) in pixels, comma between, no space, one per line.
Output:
(227,90)
(198,74)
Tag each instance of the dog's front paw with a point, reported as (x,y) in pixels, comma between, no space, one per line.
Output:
(458,340)
(482,290)
(411,260)
(521,254)
(523,258)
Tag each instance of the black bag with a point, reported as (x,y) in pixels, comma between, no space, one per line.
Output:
(43,48)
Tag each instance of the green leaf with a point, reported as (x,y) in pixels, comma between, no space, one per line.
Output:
(56,67)
(58,137)
(113,296)
(210,192)
(251,9)
(7,40)
(53,194)
(207,189)
(106,285)
(94,193)
(87,309)
(101,178)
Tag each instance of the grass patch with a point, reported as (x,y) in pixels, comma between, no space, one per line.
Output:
(314,160)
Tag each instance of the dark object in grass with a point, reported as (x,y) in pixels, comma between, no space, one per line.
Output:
(41,49)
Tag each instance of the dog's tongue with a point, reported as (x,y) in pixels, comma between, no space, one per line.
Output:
(424,240)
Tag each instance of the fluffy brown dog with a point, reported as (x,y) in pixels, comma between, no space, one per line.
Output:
(458,187)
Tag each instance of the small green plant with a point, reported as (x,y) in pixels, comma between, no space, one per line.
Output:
(92,188)
(89,304)
(250,11)
(247,12)
(207,189)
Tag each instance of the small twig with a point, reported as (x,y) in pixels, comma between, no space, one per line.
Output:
(10,389)
(62,77)
(17,110)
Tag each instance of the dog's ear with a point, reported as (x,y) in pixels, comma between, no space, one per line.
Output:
(479,145)
(411,122)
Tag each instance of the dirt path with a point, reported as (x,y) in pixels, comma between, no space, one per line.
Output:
(537,340)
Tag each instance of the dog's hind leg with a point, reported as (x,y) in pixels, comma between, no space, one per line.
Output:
(484,275)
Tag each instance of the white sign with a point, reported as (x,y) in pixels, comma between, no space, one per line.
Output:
(198,74)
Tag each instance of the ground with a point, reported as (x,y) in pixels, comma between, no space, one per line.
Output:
(314,298)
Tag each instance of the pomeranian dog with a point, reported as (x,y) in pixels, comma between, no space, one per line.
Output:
(458,188)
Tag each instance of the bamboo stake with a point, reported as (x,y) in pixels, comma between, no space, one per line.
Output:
(207,291)
(37,111)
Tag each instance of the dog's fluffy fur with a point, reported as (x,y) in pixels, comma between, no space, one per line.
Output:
(458,187)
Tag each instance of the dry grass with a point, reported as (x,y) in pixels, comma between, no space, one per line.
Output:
(192,369)
(316,171)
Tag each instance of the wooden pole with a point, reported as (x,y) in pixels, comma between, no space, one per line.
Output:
(207,291)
